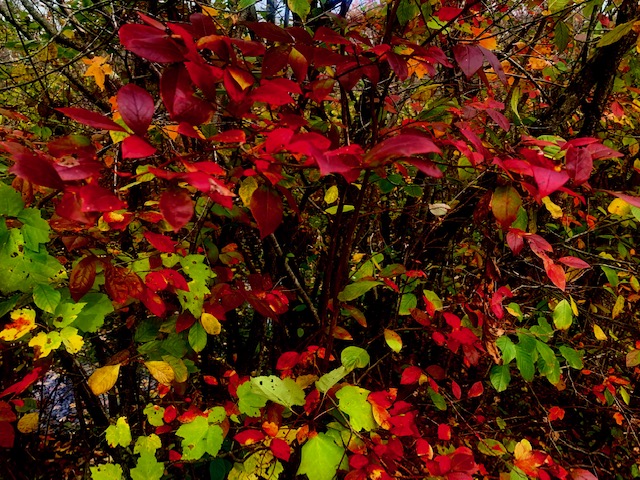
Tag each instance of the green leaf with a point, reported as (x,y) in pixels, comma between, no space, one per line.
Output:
(551,368)
(193,438)
(572,356)
(407,303)
(616,34)
(197,337)
(213,440)
(491,447)
(108,471)
(562,315)
(219,468)
(433,298)
(505,203)
(66,312)
(34,229)
(217,415)
(178,367)
(437,399)
(557,5)
(355,290)
(250,402)
(147,445)
(329,379)
(147,468)
(500,377)
(561,35)
(507,348)
(300,8)
(91,317)
(155,414)
(354,357)
(633,358)
(353,402)
(525,363)
(8,305)
(407,10)
(11,203)
(284,392)
(612,275)
(46,297)
(321,458)
(242,4)
(393,340)
(119,434)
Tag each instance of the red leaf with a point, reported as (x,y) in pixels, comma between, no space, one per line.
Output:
(151,43)
(398,65)
(581,474)
(136,107)
(266,207)
(403,145)
(496,301)
(469,57)
(280,449)
(170,414)
(7,435)
(205,77)
(185,321)
(505,203)
(423,449)
(574,262)
(93,119)
(135,147)
(548,180)
(476,390)
(410,375)
(230,136)
(538,244)
(249,437)
(269,31)
(426,166)
(447,14)
(98,199)
(174,456)
(23,384)
(82,277)
(579,164)
(555,273)
(495,64)
(299,64)
(176,207)
(444,432)
(515,241)
(210,380)
(630,199)
(177,95)
(287,360)
(36,170)
(160,242)
(456,390)
(556,413)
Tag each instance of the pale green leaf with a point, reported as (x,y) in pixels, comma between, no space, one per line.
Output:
(147,444)
(562,315)
(284,392)
(147,468)
(11,203)
(407,303)
(321,458)
(46,297)
(119,434)
(507,348)
(300,7)
(250,402)
(616,34)
(155,414)
(329,379)
(353,402)
(91,317)
(355,290)
(107,471)
(354,357)
(193,438)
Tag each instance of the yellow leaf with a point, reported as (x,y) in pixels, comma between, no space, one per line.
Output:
(161,371)
(29,423)
(522,449)
(212,12)
(44,343)
(574,307)
(393,340)
(210,324)
(248,186)
(171,131)
(554,210)
(537,63)
(331,195)
(619,207)
(103,379)
(486,41)
(597,331)
(618,307)
(71,340)
(23,321)
(98,69)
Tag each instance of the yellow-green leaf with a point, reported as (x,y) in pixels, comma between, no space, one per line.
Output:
(618,307)
(161,371)
(210,324)
(103,379)
(28,423)
(331,195)
(393,340)
(554,210)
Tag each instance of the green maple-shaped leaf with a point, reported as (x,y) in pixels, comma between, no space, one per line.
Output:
(147,468)
(35,230)
(119,434)
(284,392)
(193,438)
(91,317)
(147,445)
(154,414)
(66,312)
(353,402)
(11,203)
(213,440)
(250,402)
(108,471)
(321,458)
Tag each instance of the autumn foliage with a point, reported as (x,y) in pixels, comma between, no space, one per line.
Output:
(347,248)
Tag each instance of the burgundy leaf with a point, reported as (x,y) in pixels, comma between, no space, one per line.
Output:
(426,166)
(205,77)
(151,43)
(36,170)
(469,57)
(99,199)
(280,449)
(77,145)
(266,208)
(83,274)
(136,147)
(403,145)
(176,207)
(93,119)
(579,164)
(176,91)
(136,107)
(499,118)
(269,31)
(515,241)
(494,62)
(475,390)
(398,65)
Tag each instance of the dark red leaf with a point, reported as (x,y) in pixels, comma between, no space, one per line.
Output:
(446,14)
(581,474)
(7,435)
(403,145)
(177,95)
(469,58)
(630,199)
(170,414)
(496,300)
(515,241)
(398,65)
(410,375)
(269,31)
(136,147)
(151,43)
(95,198)
(76,145)
(574,262)
(153,302)
(280,449)
(93,119)
(266,207)
(495,64)
(579,164)
(136,107)
(83,274)
(185,321)
(36,170)
(176,207)
(160,242)
(499,118)
(476,390)
(456,390)
(548,180)
(426,166)
(205,77)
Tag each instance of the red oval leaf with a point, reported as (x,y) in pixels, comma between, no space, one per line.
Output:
(574,262)
(266,208)
(136,107)
(136,147)
(176,207)
(83,274)
(280,449)
(476,390)
(151,43)
(93,119)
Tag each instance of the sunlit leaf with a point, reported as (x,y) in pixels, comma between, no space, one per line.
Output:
(103,379)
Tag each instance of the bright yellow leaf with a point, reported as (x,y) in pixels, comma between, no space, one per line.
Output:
(45,343)
(331,195)
(98,69)
(161,371)
(618,308)
(619,207)
(554,210)
(103,379)
(210,324)
(574,307)
(23,321)
(28,423)
(212,12)
(599,333)
(71,340)
(522,449)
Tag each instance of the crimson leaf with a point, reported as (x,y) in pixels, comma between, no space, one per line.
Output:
(136,107)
